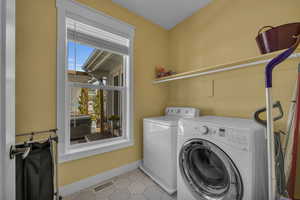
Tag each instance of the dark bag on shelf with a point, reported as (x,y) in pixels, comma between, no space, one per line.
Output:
(277,38)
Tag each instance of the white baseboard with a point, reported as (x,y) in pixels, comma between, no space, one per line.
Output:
(90,181)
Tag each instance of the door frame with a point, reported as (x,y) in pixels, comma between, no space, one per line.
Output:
(7,97)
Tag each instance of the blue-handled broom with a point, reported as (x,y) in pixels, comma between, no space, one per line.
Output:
(272,183)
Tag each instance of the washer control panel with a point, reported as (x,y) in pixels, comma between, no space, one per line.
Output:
(233,137)
(203,130)
(182,112)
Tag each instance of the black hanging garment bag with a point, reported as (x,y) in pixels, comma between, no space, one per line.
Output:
(34,174)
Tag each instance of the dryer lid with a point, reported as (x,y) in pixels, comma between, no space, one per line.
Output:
(164,120)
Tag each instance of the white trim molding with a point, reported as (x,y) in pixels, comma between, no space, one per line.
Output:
(2,144)
(91,181)
(98,18)
(69,9)
(7,97)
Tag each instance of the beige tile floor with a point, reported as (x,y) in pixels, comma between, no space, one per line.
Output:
(134,185)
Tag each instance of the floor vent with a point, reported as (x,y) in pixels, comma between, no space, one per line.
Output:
(101,187)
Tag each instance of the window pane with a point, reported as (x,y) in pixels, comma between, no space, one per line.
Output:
(87,64)
(95,115)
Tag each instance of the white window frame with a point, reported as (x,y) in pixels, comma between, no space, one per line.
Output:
(97,19)
(113,75)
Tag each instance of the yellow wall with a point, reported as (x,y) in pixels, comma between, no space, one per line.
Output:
(222,32)
(36,78)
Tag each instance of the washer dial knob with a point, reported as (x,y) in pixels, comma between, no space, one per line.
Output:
(204,130)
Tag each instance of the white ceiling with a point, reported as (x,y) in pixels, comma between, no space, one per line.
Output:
(166,13)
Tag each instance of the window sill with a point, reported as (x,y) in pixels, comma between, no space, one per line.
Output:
(94,149)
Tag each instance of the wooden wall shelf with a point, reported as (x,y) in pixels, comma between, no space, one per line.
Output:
(263,59)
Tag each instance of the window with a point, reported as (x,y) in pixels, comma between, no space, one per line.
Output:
(94,90)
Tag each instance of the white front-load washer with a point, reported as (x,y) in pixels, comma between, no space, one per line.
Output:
(221,158)
(160,146)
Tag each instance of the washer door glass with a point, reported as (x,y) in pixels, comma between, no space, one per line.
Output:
(209,172)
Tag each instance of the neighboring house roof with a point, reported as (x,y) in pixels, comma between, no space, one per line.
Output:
(100,63)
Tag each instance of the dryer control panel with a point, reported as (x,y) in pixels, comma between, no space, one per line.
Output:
(185,112)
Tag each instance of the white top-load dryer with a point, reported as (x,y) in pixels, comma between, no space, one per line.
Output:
(160,142)
(221,158)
